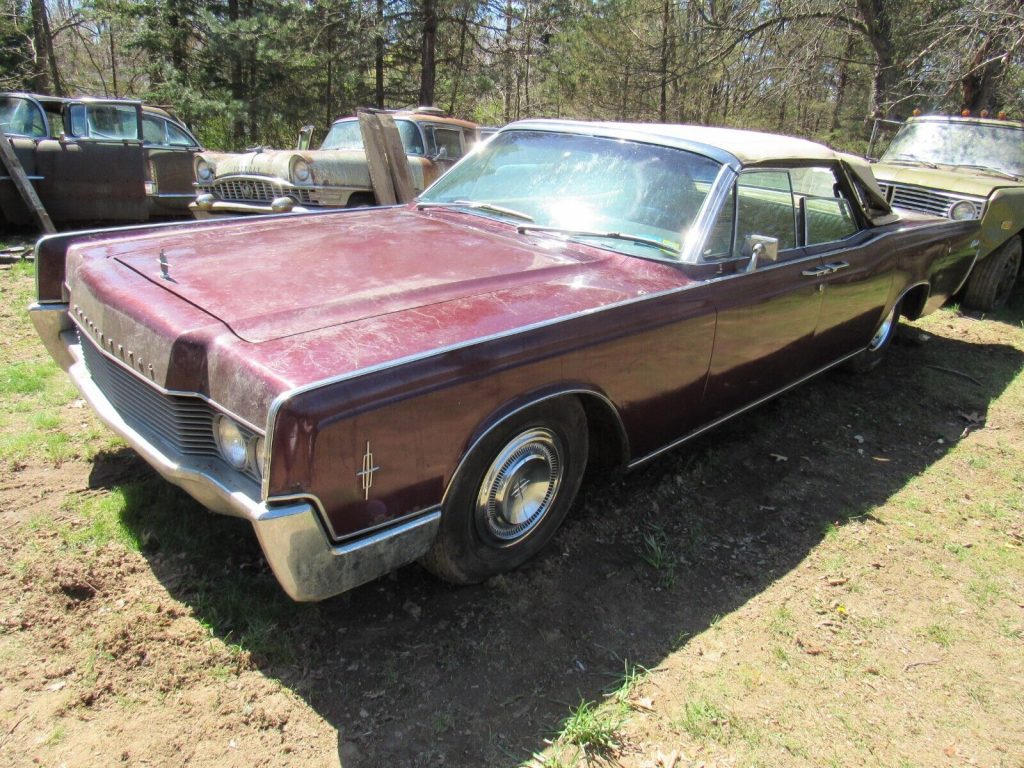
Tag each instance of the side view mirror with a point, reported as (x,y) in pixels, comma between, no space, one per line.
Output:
(305,137)
(762,249)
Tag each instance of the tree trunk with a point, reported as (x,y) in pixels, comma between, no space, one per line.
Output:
(980,82)
(878,26)
(46,78)
(378,61)
(428,70)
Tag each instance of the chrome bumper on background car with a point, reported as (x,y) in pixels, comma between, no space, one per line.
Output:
(306,563)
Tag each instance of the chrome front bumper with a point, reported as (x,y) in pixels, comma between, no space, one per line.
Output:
(308,565)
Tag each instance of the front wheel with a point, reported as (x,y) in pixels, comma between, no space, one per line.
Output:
(870,357)
(512,493)
(992,279)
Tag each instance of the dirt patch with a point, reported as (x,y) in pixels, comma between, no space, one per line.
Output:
(823,581)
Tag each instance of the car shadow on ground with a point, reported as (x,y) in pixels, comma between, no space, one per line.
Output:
(411,671)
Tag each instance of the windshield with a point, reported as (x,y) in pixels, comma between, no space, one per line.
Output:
(583,184)
(345,134)
(990,146)
(20,117)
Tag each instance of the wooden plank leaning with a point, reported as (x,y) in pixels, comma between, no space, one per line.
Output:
(23,185)
(398,161)
(376,158)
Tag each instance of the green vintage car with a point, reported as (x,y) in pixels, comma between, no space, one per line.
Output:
(965,168)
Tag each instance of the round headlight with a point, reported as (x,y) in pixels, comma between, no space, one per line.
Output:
(963,211)
(261,460)
(300,170)
(204,171)
(231,442)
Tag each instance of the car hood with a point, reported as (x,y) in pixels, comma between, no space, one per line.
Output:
(958,180)
(302,275)
(329,167)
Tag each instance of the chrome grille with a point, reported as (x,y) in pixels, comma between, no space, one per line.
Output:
(926,200)
(181,423)
(247,189)
(253,191)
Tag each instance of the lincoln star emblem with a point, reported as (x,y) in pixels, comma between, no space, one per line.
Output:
(368,469)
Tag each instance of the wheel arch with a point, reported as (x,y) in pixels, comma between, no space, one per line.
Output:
(606,433)
(913,300)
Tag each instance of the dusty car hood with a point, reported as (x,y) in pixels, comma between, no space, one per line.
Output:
(301,278)
(963,181)
(332,167)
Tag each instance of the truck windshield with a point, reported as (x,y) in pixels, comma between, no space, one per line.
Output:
(982,146)
(636,194)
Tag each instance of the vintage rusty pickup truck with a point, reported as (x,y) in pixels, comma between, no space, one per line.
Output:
(429,382)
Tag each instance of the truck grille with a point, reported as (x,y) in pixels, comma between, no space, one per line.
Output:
(926,200)
(182,424)
(252,191)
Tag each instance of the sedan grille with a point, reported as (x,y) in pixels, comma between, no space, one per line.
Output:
(253,191)
(181,423)
(926,200)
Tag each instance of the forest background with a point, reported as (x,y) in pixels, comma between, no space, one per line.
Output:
(244,73)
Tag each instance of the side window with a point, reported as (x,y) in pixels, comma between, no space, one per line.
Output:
(764,208)
(826,213)
(448,142)
(152,130)
(21,117)
(719,243)
(77,124)
(411,138)
(177,137)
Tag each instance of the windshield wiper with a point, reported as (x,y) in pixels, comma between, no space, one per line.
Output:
(576,233)
(478,206)
(909,158)
(990,169)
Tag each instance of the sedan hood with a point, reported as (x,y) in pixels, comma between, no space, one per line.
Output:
(315,272)
(328,167)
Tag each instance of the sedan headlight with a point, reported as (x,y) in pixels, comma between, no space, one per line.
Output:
(204,170)
(300,171)
(963,211)
(231,442)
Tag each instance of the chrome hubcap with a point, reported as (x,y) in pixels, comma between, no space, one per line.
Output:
(520,485)
(883,331)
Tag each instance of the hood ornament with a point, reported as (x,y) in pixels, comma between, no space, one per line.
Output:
(165,268)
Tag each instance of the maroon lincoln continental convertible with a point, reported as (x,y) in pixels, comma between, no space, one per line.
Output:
(373,387)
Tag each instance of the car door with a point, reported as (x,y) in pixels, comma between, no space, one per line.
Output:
(95,170)
(24,124)
(856,272)
(767,308)
(169,150)
(445,147)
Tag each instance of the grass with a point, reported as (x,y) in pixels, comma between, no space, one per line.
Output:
(656,551)
(591,729)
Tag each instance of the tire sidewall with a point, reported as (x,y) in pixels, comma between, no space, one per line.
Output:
(460,533)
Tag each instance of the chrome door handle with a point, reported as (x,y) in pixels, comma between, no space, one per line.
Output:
(816,272)
(835,266)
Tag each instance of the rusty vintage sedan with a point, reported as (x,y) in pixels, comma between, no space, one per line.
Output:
(429,382)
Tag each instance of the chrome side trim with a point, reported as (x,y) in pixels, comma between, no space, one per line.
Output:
(309,567)
(721,420)
(284,397)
